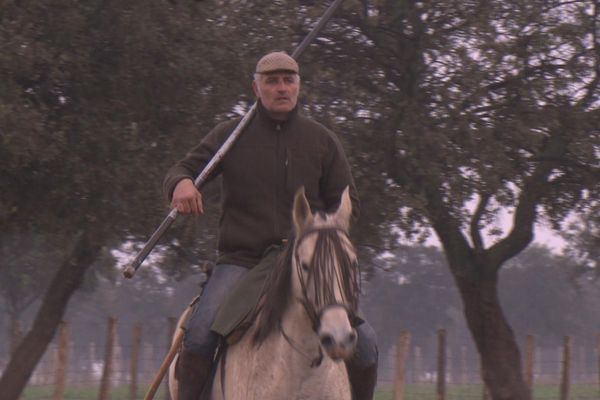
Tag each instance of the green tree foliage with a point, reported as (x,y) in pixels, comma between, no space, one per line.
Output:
(452,111)
(470,109)
(96,97)
(583,250)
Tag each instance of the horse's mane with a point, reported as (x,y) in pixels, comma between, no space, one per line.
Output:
(276,293)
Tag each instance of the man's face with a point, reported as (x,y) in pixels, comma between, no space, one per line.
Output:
(278,92)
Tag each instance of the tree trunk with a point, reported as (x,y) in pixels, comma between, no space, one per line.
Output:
(15,331)
(494,338)
(67,279)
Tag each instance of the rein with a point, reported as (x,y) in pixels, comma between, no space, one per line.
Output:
(315,362)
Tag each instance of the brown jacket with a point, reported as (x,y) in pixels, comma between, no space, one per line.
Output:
(261,173)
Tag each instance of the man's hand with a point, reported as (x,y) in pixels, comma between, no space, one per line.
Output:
(187,199)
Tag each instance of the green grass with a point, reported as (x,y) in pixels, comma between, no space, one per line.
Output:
(88,393)
(424,391)
(475,392)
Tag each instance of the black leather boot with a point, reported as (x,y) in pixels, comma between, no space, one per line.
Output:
(192,371)
(362,381)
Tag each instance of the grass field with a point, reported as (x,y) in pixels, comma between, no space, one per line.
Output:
(412,392)
(475,392)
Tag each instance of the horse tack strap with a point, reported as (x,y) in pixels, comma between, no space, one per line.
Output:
(355,319)
(313,316)
(314,363)
(307,232)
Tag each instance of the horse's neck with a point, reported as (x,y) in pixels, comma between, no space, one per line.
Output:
(297,318)
(283,366)
(298,333)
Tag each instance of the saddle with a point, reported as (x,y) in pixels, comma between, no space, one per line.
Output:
(238,310)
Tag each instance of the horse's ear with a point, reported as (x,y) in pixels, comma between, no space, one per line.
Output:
(344,211)
(301,211)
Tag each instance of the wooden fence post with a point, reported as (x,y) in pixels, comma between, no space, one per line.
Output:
(401,356)
(135,353)
(111,333)
(51,360)
(441,365)
(566,369)
(63,355)
(485,394)
(529,362)
(598,359)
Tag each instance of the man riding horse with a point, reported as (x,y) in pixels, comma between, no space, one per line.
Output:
(280,151)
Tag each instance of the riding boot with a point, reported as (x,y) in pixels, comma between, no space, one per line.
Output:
(192,372)
(362,381)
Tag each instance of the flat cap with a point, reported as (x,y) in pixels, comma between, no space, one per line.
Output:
(276,61)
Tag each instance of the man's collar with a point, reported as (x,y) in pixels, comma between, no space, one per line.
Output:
(264,114)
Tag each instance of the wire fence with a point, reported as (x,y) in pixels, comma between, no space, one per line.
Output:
(127,361)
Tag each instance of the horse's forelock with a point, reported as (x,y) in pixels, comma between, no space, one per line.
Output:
(334,261)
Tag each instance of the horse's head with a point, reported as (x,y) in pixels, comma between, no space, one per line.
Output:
(325,275)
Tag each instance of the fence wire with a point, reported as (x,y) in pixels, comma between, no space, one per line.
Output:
(84,366)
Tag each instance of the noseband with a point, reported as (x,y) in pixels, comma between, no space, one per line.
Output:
(351,292)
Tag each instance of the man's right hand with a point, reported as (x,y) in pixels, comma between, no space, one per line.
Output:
(186,198)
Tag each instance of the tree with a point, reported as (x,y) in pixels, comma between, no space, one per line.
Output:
(97,100)
(451,111)
(477,107)
(89,94)
(23,277)
(67,279)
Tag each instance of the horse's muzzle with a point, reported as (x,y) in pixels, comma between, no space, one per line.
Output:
(336,335)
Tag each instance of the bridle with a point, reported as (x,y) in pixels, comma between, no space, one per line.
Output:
(315,311)
(309,306)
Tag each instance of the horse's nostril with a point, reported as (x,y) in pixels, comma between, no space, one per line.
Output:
(327,341)
(352,337)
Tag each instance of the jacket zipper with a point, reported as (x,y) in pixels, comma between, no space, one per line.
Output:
(277,189)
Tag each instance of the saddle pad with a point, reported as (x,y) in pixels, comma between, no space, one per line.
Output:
(245,295)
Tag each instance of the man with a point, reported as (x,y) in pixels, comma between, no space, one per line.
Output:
(279,151)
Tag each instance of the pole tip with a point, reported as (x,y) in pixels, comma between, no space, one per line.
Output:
(129,272)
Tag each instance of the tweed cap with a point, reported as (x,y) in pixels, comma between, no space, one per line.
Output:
(276,61)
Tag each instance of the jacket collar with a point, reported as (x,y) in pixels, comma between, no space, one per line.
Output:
(266,118)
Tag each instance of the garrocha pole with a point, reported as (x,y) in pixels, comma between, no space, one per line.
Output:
(131,269)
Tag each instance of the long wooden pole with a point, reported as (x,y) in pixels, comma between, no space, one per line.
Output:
(164,367)
(173,350)
(130,271)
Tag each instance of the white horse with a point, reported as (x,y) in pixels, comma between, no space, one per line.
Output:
(303,327)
